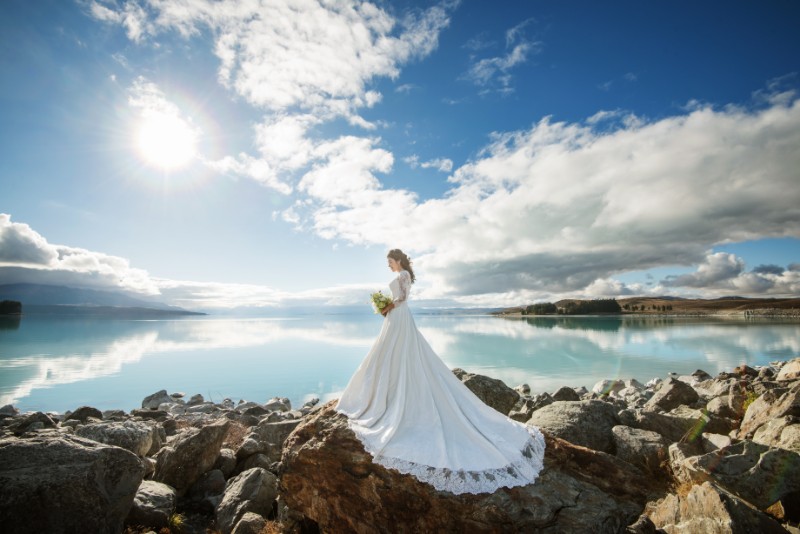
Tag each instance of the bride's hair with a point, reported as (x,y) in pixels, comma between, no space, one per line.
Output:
(405,262)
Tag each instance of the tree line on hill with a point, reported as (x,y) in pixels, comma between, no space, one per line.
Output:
(10,307)
(574,307)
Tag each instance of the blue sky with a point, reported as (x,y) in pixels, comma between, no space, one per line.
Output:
(220,154)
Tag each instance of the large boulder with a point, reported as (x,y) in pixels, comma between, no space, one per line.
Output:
(253,491)
(181,463)
(783,432)
(770,405)
(587,423)
(328,477)
(153,505)
(790,371)
(758,474)
(85,412)
(492,392)
(135,436)
(152,402)
(267,437)
(642,448)
(709,508)
(61,484)
(680,424)
(671,394)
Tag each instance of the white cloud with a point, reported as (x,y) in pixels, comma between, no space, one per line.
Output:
(26,256)
(554,208)
(495,71)
(440,164)
(723,274)
(319,57)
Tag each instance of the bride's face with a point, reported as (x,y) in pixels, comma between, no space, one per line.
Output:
(394,265)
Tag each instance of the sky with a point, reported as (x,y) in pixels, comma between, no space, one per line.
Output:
(268,153)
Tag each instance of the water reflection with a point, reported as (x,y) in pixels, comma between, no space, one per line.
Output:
(58,364)
(9,322)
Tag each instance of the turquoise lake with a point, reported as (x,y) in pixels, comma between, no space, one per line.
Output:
(59,364)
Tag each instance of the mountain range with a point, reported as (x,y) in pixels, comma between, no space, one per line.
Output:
(63,300)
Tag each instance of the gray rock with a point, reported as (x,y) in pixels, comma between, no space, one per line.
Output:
(566,394)
(522,410)
(783,432)
(257,460)
(267,438)
(61,484)
(195,399)
(134,436)
(252,491)
(715,387)
(671,394)
(491,391)
(713,442)
(642,448)
(710,509)
(607,387)
(250,523)
(85,412)
(244,406)
(770,406)
(226,462)
(154,415)
(586,423)
(523,389)
(207,408)
(153,505)
(151,402)
(181,463)
(279,404)
(208,485)
(758,474)
(30,422)
(8,410)
(721,406)
(790,371)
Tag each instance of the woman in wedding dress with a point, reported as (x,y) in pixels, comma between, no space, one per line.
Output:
(414,415)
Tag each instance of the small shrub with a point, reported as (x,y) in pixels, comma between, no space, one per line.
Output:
(177,523)
(749,399)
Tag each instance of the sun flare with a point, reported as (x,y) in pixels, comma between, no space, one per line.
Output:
(166,141)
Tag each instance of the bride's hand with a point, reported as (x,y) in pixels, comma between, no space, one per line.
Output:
(387,309)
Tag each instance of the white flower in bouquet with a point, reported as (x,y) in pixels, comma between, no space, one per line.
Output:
(380,301)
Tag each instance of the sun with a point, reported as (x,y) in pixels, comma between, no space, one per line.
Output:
(166,141)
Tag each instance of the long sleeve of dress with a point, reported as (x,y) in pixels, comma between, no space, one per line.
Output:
(405,287)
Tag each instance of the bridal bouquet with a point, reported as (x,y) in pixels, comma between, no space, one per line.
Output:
(380,301)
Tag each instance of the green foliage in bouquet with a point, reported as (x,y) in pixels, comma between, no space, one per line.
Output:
(380,301)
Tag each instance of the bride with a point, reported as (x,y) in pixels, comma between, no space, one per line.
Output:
(412,414)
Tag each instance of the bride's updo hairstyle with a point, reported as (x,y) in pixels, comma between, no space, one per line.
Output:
(405,262)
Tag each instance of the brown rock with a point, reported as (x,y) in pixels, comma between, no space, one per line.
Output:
(710,509)
(328,477)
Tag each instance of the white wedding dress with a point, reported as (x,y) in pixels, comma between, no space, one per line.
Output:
(414,415)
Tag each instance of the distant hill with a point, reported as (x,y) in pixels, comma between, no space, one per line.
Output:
(63,300)
(682,306)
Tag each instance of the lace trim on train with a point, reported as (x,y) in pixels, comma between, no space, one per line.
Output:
(519,473)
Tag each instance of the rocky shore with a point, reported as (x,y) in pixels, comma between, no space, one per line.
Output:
(682,454)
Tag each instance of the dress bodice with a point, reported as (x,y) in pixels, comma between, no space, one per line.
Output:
(400,287)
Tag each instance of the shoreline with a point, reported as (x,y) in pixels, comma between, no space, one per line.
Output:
(640,449)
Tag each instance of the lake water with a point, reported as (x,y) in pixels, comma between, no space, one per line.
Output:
(59,364)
